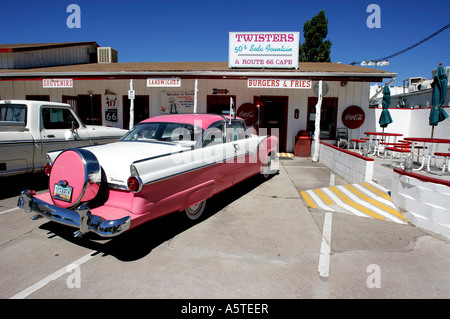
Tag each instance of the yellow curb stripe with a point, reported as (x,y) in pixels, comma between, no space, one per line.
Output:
(355,205)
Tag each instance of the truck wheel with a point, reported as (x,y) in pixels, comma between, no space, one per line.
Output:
(195,211)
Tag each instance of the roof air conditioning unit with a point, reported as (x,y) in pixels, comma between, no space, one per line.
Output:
(106,55)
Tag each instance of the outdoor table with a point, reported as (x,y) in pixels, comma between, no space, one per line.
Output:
(431,144)
(378,140)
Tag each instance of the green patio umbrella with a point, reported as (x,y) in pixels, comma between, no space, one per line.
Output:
(385,117)
(440,82)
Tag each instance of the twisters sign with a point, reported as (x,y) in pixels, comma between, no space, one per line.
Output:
(263,49)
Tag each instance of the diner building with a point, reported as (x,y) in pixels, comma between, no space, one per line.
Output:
(100,89)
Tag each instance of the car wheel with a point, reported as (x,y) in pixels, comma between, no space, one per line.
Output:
(266,168)
(195,211)
(270,167)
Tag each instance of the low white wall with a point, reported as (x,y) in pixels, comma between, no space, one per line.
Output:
(424,201)
(353,167)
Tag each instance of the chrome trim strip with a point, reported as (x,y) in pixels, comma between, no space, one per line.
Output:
(82,218)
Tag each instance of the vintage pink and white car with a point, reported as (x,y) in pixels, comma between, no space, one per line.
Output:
(165,164)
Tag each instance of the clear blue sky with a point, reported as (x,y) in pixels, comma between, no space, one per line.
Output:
(196,30)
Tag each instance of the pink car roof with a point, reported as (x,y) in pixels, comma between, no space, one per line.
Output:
(202,120)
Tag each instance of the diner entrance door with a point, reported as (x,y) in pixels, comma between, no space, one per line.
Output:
(273,117)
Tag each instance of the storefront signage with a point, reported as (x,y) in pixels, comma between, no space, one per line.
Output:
(353,117)
(249,113)
(111,111)
(279,83)
(57,83)
(220,91)
(164,82)
(177,102)
(263,49)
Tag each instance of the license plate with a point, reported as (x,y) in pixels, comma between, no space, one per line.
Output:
(63,193)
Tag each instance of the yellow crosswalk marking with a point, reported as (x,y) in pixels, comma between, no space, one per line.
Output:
(308,199)
(365,199)
(354,204)
(285,155)
(325,198)
(375,202)
(376,190)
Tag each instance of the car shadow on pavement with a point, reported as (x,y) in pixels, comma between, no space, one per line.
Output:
(12,186)
(140,241)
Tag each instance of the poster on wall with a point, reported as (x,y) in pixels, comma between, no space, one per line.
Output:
(263,49)
(177,102)
(111,111)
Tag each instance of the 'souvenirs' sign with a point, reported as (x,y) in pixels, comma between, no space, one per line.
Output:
(263,49)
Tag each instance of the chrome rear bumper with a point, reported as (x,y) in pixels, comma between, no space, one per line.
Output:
(80,218)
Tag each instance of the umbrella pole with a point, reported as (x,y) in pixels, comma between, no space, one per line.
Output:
(432,131)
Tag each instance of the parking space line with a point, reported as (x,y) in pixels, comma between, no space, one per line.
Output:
(325,247)
(33,288)
(9,210)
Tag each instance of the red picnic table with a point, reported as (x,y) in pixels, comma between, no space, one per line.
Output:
(430,147)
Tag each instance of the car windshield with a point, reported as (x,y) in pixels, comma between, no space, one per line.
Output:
(178,133)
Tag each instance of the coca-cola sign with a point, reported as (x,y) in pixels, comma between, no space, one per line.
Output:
(249,113)
(353,117)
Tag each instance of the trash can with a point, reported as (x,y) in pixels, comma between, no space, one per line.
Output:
(302,144)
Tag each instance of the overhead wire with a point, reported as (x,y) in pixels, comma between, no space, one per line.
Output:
(412,46)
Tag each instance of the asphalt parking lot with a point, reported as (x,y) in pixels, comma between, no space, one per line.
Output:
(256,240)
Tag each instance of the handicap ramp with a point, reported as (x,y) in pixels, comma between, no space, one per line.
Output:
(366,199)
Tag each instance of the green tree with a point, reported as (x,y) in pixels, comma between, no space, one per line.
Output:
(315,48)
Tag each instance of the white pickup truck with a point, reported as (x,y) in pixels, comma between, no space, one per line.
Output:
(30,129)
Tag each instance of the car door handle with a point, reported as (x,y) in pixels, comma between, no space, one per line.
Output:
(50,135)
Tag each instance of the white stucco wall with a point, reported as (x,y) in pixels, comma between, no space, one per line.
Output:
(424,202)
(350,166)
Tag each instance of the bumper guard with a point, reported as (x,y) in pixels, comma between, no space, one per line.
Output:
(81,218)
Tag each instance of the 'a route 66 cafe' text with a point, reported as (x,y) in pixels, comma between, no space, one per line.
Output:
(262,78)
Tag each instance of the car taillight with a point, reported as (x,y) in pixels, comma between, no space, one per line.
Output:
(134,184)
(47,169)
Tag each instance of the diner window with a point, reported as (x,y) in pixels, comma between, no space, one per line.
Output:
(328,117)
(219,104)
